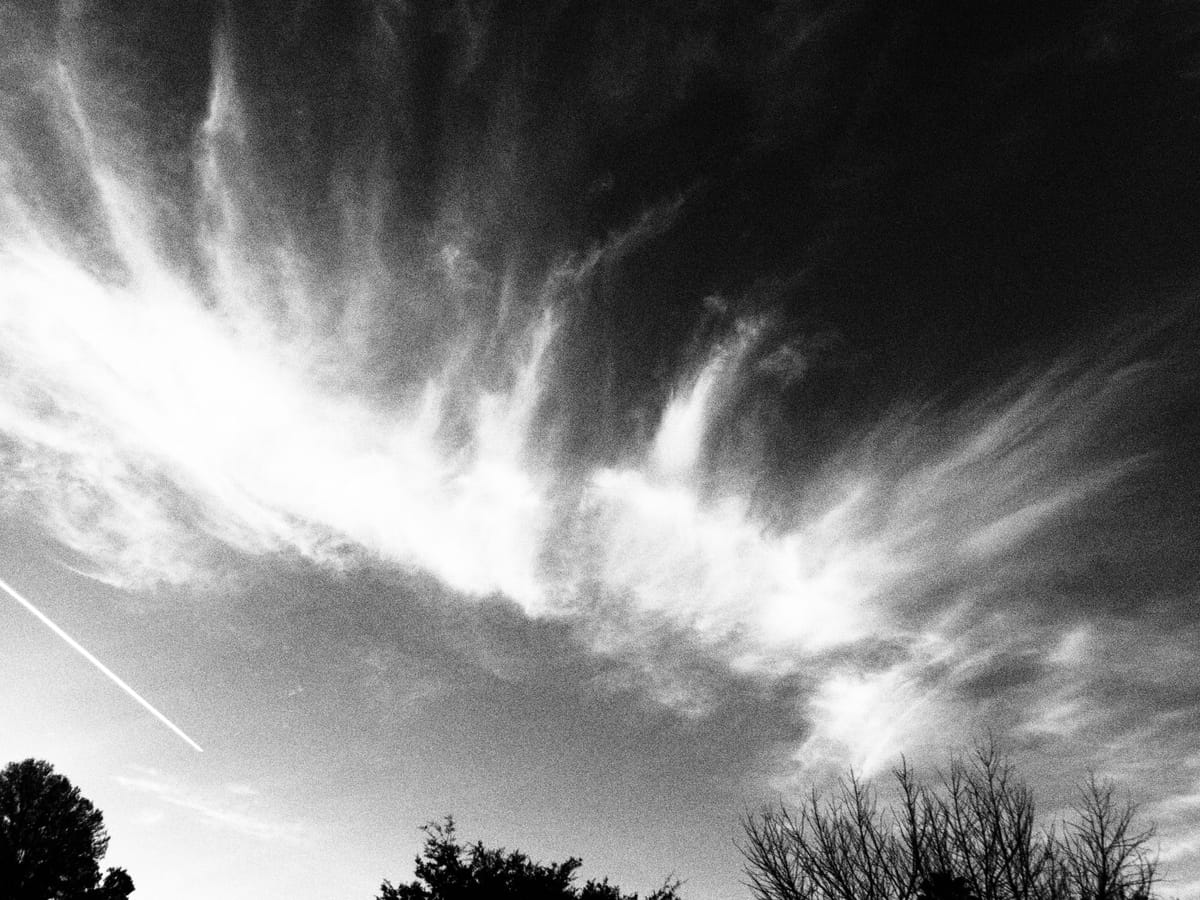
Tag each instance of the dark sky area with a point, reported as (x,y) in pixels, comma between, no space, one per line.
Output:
(592,420)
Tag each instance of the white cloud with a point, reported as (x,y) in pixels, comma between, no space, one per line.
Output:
(238,807)
(150,417)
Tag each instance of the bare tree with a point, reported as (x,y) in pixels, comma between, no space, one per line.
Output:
(1106,851)
(970,833)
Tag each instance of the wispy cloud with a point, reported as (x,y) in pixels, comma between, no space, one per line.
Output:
(236,807)
(159,405)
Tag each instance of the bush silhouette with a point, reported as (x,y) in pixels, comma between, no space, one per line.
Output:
(448,870)
(968,834)
(52,839)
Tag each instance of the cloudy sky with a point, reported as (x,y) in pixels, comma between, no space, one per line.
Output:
(591,420)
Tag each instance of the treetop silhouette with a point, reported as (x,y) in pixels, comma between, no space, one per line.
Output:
(969,833)
(449,870)
(52,839)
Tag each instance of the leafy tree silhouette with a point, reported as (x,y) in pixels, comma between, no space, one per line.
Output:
(117,885)
(942,885)
(52,839)
(448,870)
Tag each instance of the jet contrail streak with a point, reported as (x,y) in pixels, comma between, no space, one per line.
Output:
(112,676)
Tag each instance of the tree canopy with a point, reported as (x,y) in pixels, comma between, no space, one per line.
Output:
(449,870)
(968,833)
(52,839)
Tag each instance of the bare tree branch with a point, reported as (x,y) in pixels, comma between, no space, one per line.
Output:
(969,833)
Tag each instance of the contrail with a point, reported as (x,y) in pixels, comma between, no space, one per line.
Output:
(112,676)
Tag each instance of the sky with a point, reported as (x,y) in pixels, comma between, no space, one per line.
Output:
(592,421)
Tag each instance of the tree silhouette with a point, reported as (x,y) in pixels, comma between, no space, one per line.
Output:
(941,885)
(52,839)
(448,870)
(117,885)
(968,834)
